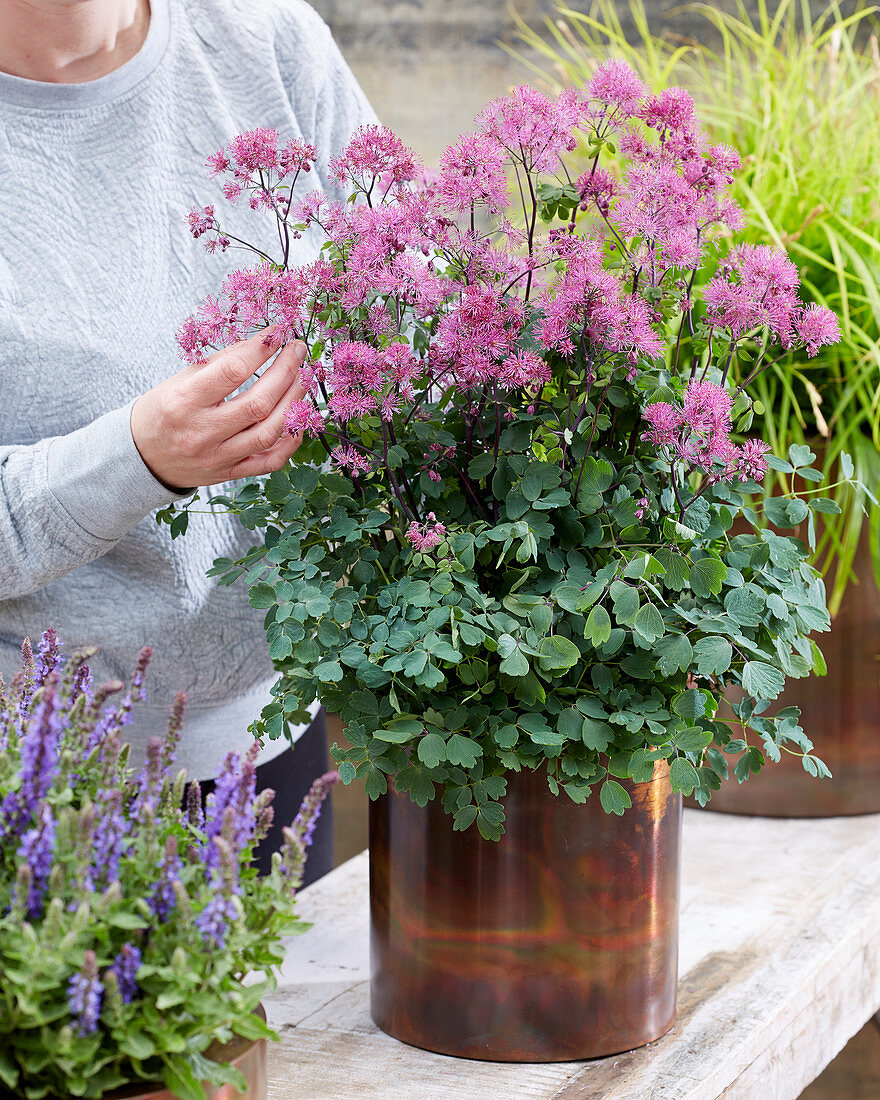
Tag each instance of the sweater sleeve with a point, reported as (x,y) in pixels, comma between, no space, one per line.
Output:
(69,499)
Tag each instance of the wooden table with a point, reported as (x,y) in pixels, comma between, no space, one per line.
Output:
(779,967)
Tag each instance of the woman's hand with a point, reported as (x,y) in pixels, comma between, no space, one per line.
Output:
(189,435)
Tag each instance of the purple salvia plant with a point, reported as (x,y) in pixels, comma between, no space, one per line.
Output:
(172,737)
(83,879)
(82,684)
(230,806)
(195,814)
(152,779)
(36,850)
(264,813)
(116,718)
(223,873)
(84,995)
(25,680)
(214,920)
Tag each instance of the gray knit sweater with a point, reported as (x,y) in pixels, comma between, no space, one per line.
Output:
(97,270)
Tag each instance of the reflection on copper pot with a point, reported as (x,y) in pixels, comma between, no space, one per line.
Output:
(840,713)
(248,1056)
(558,942)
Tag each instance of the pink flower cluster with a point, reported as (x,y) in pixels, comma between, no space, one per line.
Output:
(375,155)
(589,300)
(697,434)
(759,290)
(346,457)
(415,300)
(427,535)
(254,161)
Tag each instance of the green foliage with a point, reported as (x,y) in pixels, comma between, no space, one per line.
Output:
(594,655)
(801,101)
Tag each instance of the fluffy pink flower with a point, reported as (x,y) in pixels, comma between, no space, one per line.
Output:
(599,187)
(697,434)
(816,326)
(302,416)
(617,86)
(533,128)
(665,420)
(524,370)
(373,152)
(348,458)
(473,171)
(218,162)
(706,408)
(479,334)
(201,219)
(254,150)
(761,290)
(750,461)
(673,109)
(296,156)
(427,535)
(588,299)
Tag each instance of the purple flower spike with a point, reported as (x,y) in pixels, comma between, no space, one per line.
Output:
(125,967)
(82,683)
(48,657)
(163,900)
(85,992)
(37,850)
(151,779)
(109,834)
(299,835)
(27,680)
(230,806)
(214,920)
(194,812)
(39,758)
(172,737)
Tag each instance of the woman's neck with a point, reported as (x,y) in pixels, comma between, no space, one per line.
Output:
(70,41)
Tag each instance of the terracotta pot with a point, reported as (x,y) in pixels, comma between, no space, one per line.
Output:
(840,713)
(247,1055)
(558,942)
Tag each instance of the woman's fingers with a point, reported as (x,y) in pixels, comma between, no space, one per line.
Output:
(230,368)
(189,435)
(273,459)
(261,401)
(261,437)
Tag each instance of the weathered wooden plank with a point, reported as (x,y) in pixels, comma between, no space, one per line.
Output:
(332,1064)
(779,963)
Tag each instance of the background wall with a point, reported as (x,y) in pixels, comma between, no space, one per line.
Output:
(429,65)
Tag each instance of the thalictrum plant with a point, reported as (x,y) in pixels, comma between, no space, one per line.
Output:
(800,95)
(127,923)
(522,531)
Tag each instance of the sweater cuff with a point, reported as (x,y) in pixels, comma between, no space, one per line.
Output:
(99,478)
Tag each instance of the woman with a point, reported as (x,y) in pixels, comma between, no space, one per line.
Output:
(108,110)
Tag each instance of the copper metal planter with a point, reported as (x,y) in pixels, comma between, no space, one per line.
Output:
(559,942)
(246,1055)
(840,712)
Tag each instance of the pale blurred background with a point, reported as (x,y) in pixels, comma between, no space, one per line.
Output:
(427,67)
